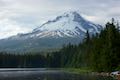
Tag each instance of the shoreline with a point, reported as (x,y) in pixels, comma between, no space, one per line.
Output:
(86,71)
(90,72)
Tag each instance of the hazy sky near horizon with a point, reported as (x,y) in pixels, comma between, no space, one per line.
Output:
(20,16)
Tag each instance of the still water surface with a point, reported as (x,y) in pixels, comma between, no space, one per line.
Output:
(44,74)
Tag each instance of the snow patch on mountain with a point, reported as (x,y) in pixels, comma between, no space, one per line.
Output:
(69,24)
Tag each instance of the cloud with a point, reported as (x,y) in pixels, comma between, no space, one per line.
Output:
(9,28)
(24,15)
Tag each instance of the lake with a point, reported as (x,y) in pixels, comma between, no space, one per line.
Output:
(44,74)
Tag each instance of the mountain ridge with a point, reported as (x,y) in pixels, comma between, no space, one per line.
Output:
(70,27)
(67,25)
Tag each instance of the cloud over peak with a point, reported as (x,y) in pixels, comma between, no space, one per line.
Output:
(18,16)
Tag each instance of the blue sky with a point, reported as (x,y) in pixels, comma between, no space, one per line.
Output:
(20,16)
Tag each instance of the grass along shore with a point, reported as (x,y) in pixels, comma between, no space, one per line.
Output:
(77,70)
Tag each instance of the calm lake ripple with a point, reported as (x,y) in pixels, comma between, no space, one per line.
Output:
(45,74)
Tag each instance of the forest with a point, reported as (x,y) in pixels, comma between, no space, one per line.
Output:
(99,52)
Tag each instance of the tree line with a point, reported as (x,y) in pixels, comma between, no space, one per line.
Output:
(99,52)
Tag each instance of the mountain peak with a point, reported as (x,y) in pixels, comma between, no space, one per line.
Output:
(60,21)
(71,12)
(69,24)
(69,27)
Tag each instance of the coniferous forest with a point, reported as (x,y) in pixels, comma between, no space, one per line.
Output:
(100,52)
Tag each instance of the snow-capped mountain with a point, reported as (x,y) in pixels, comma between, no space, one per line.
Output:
(69,27)
(70,24)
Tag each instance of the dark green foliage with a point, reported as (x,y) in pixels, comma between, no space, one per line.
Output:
(100,52)
(20,61)
(105,54)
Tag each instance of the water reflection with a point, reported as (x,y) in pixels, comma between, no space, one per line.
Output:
(47,75)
